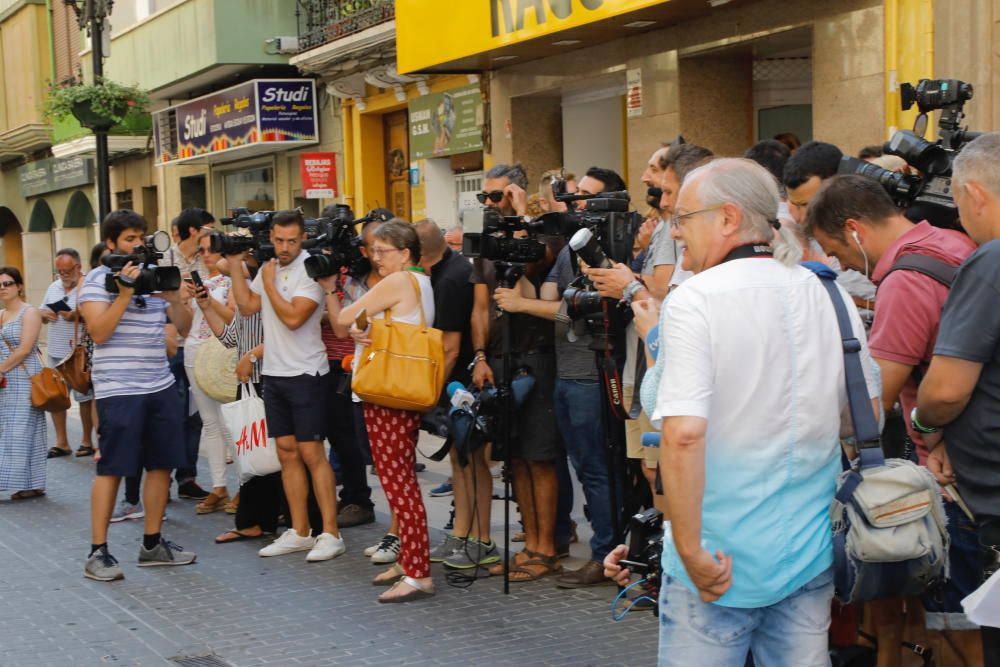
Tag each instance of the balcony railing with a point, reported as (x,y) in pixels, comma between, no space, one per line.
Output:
(325,21)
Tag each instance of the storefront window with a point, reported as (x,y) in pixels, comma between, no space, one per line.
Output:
(251,188)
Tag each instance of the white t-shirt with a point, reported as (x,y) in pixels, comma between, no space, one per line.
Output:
(289,353)
(218,289)
(754,347)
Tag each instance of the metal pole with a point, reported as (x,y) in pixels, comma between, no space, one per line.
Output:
(100,136)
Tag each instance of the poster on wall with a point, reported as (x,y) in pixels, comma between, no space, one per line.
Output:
(319,175)
(446,123)
(633,98)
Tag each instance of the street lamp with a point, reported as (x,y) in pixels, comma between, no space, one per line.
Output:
(90,16)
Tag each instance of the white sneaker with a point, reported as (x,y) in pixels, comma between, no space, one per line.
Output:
(288,543)
(327,546)
(388,550)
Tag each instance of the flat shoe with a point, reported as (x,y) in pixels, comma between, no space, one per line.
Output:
(28,494)
(58,452)
(239,537)
(390,581)
(417,592)
(84,450)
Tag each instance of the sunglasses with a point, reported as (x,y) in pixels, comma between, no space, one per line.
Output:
(7,283)
(494,196)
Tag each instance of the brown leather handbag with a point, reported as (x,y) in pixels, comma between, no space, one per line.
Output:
(76,367)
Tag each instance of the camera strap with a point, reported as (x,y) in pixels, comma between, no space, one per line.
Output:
(749,250)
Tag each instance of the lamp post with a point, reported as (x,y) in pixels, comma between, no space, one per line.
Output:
(90,16)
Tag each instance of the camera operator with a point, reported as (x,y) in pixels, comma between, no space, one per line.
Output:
(961,391)
(187,229)
(804,172)
(295,388)
(138,407)
(578,397)
(538,445)
(749,449)
(854,219)
(664,173)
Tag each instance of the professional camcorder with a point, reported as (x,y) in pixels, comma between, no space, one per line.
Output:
(334,244)
(151,278)
(258,243)
(500,238)
(926,195)
(645,546)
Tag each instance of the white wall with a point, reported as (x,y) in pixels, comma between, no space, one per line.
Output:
(439,183)
(592,134)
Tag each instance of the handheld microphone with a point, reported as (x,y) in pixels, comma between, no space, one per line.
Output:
(651,439)
(460,397)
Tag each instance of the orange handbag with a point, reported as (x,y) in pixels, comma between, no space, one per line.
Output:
(403,368)
(76,367)
(49,390)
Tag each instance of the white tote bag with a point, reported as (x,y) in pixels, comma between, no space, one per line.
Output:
(256,454)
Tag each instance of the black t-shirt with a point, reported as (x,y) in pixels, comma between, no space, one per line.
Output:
(574,358)
(527,332)
(453,306)
(970,330)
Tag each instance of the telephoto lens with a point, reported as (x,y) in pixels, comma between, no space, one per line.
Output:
(589,249)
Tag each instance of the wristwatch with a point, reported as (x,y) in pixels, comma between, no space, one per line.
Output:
(253,358)
(917,426)
(630,290)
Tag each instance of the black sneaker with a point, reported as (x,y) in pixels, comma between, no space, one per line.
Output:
(191,491)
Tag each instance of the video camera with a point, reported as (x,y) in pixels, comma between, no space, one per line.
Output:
(926,195)
(334,244)
(490,235)
(151,278)
(645,546)
(258,243)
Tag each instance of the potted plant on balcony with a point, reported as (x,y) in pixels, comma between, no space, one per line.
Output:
(98,106)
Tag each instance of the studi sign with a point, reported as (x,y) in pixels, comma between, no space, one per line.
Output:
(484,25)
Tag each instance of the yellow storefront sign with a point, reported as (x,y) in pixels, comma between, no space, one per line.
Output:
(433,32)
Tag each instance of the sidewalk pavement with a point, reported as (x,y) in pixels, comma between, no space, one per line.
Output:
(235,608)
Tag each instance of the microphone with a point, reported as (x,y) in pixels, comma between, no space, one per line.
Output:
(460,397)
(651,439)
(586,245)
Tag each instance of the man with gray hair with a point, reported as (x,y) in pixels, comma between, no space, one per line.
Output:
(961,391)
(751,403)
(505,188)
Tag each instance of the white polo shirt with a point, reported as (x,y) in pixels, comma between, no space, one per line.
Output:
(754,347)
(289,353)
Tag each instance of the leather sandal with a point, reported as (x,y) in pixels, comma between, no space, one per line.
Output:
(549,564)
(211,503)
(398,574)
(418,592)
(85,450)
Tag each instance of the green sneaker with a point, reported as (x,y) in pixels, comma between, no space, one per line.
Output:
(473,554)
(445,548)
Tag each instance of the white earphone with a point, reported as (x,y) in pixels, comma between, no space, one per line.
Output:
(854,235)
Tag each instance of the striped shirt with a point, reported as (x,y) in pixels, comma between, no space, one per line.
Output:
(60,341)
(244,333)
(134,360)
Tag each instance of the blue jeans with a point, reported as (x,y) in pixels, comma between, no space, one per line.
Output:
(790,632)
(578,414)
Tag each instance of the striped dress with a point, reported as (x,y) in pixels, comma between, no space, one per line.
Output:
(23,436)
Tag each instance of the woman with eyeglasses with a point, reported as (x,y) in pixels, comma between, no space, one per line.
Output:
(23,437)
(395,254)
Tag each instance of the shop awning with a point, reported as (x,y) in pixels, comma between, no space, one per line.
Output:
(480,35)
(251,118)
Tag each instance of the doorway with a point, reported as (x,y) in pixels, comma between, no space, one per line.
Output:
(397,163)
(11,249)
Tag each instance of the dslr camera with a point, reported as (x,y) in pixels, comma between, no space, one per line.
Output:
(151,278)
(926,195)
(333,244)
(258,243)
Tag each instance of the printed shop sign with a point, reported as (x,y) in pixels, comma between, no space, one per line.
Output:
(446,123)
(280,112)
(52,174)
(318,172)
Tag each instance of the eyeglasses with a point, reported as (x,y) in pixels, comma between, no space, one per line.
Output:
(378,252)
(67,272)
(675,220)
(7,283)
(494,196)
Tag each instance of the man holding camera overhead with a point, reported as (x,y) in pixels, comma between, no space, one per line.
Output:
(294,387)
(139,410)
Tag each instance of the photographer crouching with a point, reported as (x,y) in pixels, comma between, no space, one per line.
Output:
(751,403)
(127,303)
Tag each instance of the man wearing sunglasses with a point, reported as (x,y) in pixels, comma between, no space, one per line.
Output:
(505,188)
